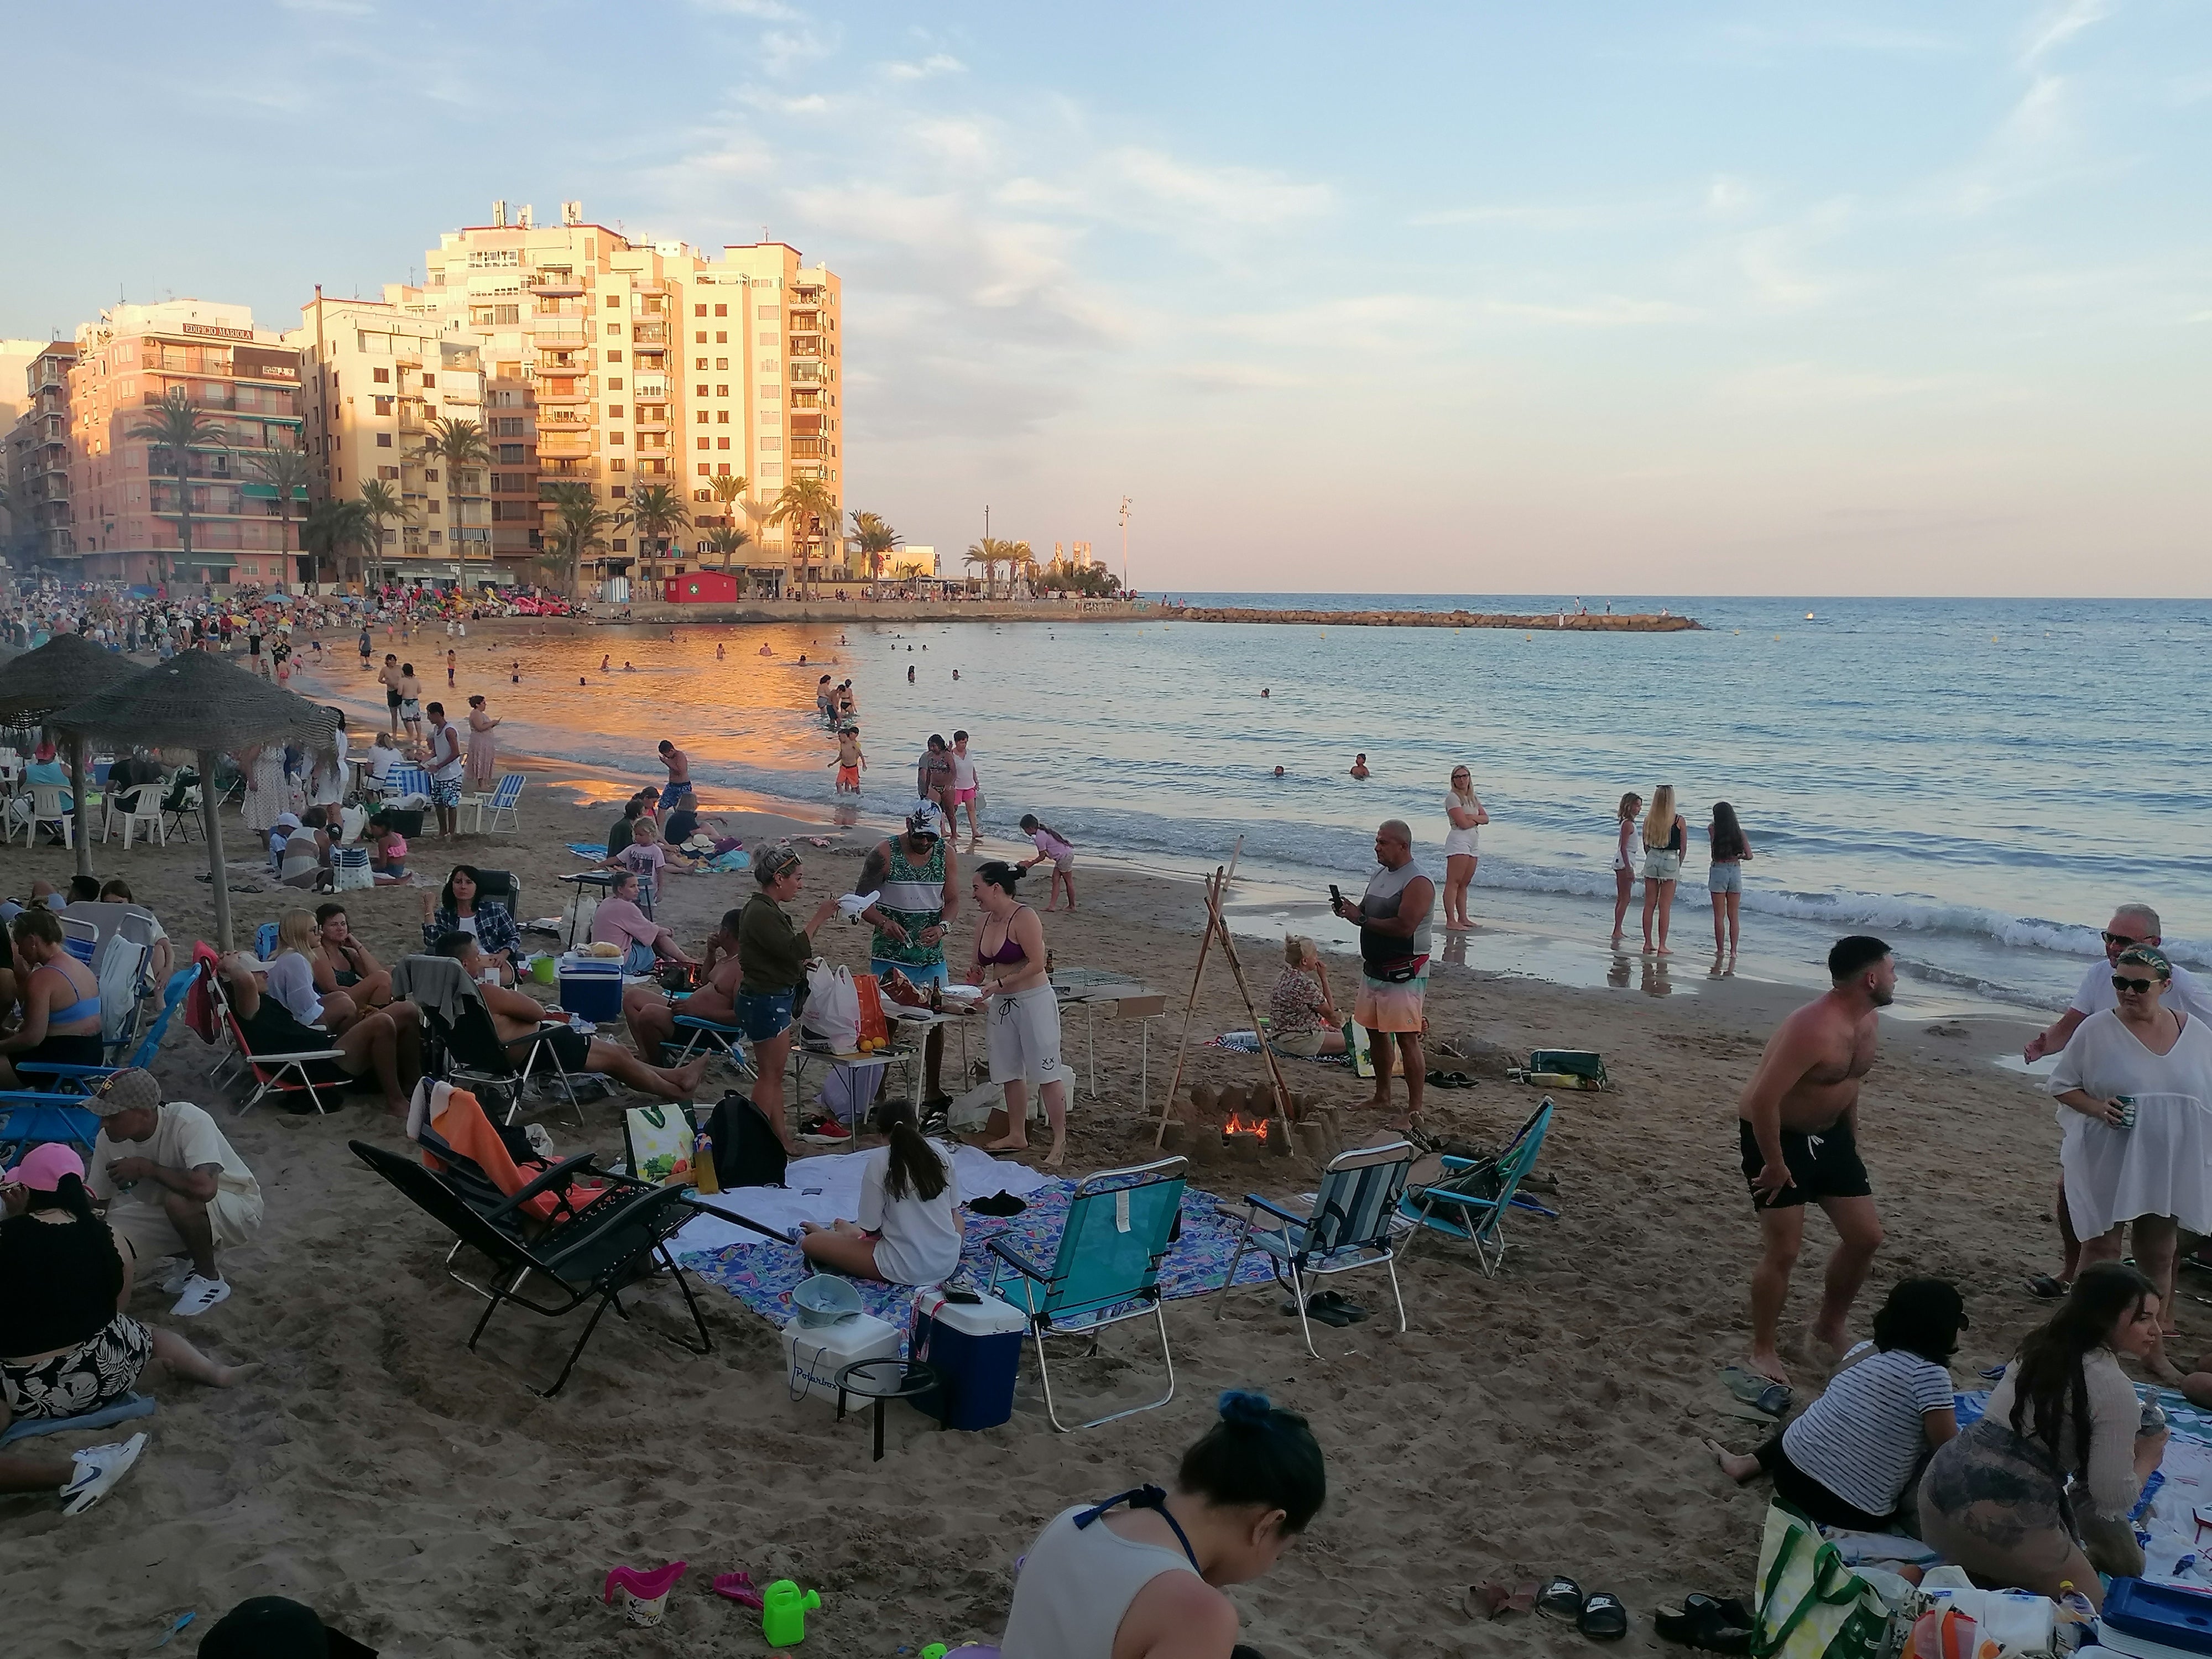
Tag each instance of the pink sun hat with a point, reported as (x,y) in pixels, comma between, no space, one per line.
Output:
(44,1166)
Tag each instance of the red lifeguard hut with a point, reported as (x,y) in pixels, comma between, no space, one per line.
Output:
(704,588)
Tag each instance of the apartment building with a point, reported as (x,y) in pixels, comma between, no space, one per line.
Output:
(379,376)
(37,460)
(651,362)
(127,497)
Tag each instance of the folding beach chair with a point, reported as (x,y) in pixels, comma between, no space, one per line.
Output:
(278,1074)
(1468,1202)
(728,1041)
(1348,1227)
(1106,1270)
(29,1119)
(617,1240)
(466,1049)
(504,795)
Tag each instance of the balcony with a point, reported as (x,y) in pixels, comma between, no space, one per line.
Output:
(557,470)
(649,334)
(553,285)
(803,448)
(554,362)
(652,422)
(805,345)
(563,446)
(564,391)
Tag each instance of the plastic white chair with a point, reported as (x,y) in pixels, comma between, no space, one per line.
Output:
(46,808)
(143,814)
(503,798)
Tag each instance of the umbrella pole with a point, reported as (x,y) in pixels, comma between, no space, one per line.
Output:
(212,822)
(79,765)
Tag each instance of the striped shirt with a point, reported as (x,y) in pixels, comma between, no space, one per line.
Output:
(1863,1438)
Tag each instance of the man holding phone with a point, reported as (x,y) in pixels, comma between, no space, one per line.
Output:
(1394,964)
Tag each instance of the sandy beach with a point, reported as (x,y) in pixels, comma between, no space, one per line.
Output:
(1546,1421)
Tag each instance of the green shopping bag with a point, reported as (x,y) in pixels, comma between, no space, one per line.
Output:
(1811,1604)
(1355,1048)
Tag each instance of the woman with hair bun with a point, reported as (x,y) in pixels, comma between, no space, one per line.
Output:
(1020,1008)
(1103,1582)
(909,1230)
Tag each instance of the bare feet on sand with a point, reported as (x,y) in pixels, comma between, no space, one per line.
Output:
(1051,1160)
(1768,1364)
(1739,1467)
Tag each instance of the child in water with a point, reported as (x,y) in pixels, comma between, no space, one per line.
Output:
(849,761)
(1056,848)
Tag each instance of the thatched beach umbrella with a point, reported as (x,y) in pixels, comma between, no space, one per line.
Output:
(198,701)
(66,669)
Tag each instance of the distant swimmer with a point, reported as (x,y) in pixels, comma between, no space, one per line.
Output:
(765,651)
(1278,771)
(1359,766)
(720,654)
(606,662)
(1264,691)
(629,667)
(909,673)
(955,673)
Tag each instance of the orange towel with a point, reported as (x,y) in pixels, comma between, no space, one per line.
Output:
(463,1126)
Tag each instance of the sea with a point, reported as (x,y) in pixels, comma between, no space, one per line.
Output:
(1977,781)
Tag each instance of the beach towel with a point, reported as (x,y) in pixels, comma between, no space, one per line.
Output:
(593,850)
(1247,1043)
(460,1122)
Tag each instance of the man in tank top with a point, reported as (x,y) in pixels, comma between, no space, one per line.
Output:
(1394,964)
(917,880)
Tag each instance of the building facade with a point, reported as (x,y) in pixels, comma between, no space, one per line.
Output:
(379,379)
(38,449)
(127,497)
(644,364)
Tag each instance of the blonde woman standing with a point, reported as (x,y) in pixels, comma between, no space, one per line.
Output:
(1465,817)
(1666,833)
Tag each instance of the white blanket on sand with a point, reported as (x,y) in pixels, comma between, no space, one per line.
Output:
(826,1189)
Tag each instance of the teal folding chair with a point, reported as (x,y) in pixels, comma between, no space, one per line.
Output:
(1106,1270)
(1349,1227)
(1468,1202)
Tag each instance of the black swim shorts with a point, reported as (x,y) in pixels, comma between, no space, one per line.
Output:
(1826,1165)
(568,1045)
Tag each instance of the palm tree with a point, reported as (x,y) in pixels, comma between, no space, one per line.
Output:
(460,445)
(810,507)
(726,539)
(180,425)
(289,473)
(658,512)
(1020,561)
(333,527)
(992,552)
(729,491)
(580,529)
(381,502)
(985,553)
(876,541)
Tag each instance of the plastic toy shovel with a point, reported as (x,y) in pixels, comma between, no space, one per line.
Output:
(783,1621)
(645,1594)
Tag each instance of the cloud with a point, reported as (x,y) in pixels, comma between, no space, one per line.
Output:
(1234,195)
(937,62)
(1728,198)
(2054,28)
(1552,215)
(783,51)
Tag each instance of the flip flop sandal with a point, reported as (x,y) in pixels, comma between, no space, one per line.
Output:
(2048,1289)
(1761,1394)
(1603,1619)
(1703,1621)
(1351,1310)
(1561,1599)
(1327,1313)
(1494,1600)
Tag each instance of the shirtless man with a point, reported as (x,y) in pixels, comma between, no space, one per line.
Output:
(679,772)
(849,761)
(651,1016)
(1799,1121)
(1359,766)
(388,676)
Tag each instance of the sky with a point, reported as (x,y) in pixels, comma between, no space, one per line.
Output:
(1569,299)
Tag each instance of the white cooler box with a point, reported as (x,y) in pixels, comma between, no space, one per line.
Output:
(814,1354)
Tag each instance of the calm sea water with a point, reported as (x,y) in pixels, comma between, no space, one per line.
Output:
(1976,781)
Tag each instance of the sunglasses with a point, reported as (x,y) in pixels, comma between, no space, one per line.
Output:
(2111,937)
(2140,987)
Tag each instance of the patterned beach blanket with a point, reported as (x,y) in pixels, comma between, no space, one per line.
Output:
(763,1275)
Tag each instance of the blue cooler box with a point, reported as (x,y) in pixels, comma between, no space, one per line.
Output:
(2140,1614)
(977,1348)
(592,987)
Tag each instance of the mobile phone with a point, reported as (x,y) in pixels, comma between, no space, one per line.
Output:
(1335,894)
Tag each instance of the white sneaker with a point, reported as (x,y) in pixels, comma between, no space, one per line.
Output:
(176,1272)
(199,1295)
(97,1469)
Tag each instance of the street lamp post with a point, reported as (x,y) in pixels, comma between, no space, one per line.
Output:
(1125,543)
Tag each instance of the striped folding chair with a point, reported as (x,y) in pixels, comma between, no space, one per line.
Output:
(1348,1227)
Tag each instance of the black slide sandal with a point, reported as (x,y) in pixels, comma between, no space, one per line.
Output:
(1603,1618)
(1562,1599)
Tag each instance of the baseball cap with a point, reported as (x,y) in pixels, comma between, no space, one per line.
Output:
(130,1090)
(927,819)
(43,1167)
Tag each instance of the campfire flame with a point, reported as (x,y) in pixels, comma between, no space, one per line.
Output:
(1238,1124)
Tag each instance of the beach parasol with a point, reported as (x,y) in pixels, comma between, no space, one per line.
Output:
(199,702)
(67,669)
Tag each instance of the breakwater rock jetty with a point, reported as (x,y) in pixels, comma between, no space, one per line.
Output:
(1569,621)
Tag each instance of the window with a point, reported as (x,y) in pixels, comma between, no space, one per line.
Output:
(511,426)
(702,389)
(614,383)
(389,473)
(615,328)
(512,455)
(384,440)
(723,470)
(622,545)
(437,509)
(719,362)
(771,443)
(766,313)
(768,339)
(614,356)
(614,302)
(437,537)
(699,337)
(721,417)
(614,411)
(702,495)
(621,491)
(381,376)
(506,314)
(721,337)
(429,380)
(721,391)
(698,311)
(721,443)
(702,443)
(429,475)
(614,437)
(721,310)
(699,363)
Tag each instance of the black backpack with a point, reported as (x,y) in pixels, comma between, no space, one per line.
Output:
(746,1152)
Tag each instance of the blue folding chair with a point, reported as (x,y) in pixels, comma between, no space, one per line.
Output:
(29,1120)
(1349,1227)
(1468,1202)
(728,1041)
(1106,1270)
(504,795)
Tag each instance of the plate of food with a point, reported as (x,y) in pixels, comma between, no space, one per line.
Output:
(967,996)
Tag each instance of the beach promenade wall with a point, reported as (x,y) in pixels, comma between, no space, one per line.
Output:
(660,613)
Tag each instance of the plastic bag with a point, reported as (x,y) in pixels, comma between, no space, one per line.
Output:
(874,1029)
(833,1007)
